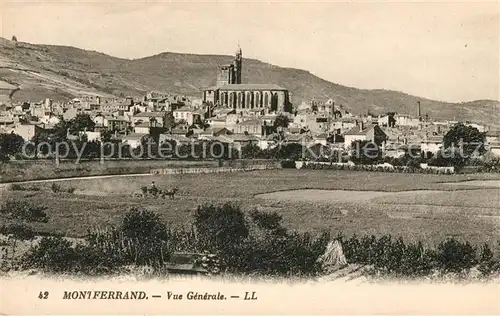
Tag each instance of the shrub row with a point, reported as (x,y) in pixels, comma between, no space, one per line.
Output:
(376,168)
(246,244)
(395,258)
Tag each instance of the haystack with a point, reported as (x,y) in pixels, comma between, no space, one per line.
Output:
(333,258)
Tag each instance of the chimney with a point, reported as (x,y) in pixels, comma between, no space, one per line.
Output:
(418,109)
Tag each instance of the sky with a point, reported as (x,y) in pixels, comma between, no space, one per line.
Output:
(445,51)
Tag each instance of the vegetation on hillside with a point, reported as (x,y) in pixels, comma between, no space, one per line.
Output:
(77,69)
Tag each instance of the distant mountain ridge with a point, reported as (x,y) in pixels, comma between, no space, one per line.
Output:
(63,72)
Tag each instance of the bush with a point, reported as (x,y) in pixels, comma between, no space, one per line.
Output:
(487,264)
(220,227)
(17,187)
(56,188)
(288,164)
(143,224)
(19,231)
(454,256)
(265,220)
(22,210)
(52,254)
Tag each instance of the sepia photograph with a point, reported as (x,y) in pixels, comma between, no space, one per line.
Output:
(253,157)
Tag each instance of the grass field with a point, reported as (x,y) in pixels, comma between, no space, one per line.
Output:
(468,212)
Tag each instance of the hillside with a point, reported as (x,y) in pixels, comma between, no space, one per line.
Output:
(62,72)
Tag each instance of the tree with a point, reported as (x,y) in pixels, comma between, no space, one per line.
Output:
(281,121)
(465,141)
(365,152)
(251,151)
(81,122)
(14,38)
(10,144)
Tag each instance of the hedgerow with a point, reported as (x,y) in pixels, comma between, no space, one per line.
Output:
(248,244)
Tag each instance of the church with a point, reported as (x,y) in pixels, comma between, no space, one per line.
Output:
(229,92)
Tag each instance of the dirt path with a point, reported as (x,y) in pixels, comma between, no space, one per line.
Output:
(76,178)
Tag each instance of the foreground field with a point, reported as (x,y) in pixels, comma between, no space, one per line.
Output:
(467,212)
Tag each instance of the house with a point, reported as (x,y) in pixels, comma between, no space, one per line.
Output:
(26,131)
(134,139)
(406,120)
(221,112)
(303,139)
(266,142)
(242,140)
(6,121)
(394,150)
(119,123)
(98,120)
(179,139)
(154,118)
(216,121)
(90,136)
(142,128)
(253,127)
(187,114)
(492,136)
(180,129)
(214,131)
(363,132)
(494,148)
(320,139)
(69,114)
(431,144)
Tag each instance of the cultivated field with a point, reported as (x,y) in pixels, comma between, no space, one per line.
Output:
(469,212)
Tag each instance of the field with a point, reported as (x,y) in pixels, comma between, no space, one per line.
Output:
(433,211)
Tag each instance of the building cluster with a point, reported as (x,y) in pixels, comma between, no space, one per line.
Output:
(230,112)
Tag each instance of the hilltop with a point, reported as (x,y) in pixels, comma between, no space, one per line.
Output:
(62,72)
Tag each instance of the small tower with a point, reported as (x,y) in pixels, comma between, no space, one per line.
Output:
(238,60)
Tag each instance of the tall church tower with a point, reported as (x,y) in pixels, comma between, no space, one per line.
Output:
(238,60)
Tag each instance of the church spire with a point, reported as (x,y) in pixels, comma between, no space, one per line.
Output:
(238,64)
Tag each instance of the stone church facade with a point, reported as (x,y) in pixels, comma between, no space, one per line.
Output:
(231,93)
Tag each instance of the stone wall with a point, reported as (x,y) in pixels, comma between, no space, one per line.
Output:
(211,170)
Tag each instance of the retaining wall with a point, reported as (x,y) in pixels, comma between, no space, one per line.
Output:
(211,170)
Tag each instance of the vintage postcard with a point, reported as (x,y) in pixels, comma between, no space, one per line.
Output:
(251,157)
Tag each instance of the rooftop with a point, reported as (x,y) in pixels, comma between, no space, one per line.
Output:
(135,136)
(143,124)
(242,137)
(185,108)
(150,114)
(251,122)
(357,131)
(251,86)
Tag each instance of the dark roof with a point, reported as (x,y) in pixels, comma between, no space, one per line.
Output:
(243,137)
(357,131)
(135,136)
(150,114)
(251,86)
(251,122)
